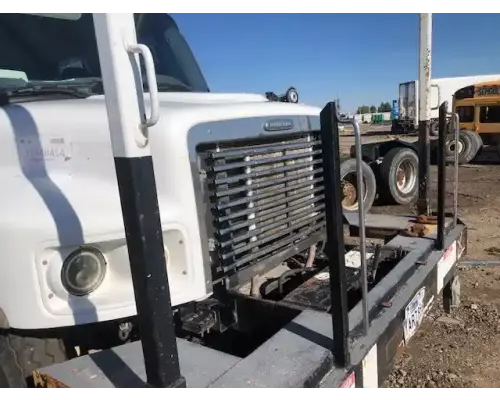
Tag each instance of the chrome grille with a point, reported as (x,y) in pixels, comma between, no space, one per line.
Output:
(265,196)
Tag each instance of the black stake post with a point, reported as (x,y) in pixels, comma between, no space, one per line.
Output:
(141,216)
(335,233)
(441,160)
(117,46)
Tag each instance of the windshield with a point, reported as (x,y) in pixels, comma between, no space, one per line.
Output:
(47,50)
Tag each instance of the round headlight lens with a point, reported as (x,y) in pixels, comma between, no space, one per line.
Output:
(83,271)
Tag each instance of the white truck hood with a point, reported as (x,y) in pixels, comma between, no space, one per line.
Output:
(57,162)
(70,138)
(212,98)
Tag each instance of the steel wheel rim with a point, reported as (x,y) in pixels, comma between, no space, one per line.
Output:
(450,146)
(406,176)
(350,192)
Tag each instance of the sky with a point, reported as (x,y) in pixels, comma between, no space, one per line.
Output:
(359,57)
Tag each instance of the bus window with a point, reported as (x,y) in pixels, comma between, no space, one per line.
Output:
(489,114)
(466,113)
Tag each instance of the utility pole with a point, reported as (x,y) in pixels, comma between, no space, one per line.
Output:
(424,112)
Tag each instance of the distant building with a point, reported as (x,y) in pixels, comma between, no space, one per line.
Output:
(368,117)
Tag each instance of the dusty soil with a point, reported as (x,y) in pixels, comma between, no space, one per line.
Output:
(461,349)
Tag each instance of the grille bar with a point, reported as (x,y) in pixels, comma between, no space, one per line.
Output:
(263,239)
(268,208)
(270,182)
(253,163)
(266,194)
(261,149)
(258,174)
(276,247)
(302,187)
(252,232)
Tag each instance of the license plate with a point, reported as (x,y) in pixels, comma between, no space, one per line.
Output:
(414,313)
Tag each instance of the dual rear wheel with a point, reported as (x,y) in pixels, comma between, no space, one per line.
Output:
(398,180)
(399,176)
(398,172)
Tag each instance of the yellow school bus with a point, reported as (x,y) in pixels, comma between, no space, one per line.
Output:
(478,107)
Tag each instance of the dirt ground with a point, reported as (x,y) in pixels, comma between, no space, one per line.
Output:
(461,349)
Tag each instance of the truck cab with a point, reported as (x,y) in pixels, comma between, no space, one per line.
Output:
(238,178)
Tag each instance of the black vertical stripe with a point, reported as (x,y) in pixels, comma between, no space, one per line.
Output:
(141,216)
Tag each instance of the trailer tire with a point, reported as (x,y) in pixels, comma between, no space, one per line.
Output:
(399,173)
(348,184)
(477,142)
(21,355)
(468,147)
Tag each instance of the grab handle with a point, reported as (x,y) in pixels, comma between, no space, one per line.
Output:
(149,67)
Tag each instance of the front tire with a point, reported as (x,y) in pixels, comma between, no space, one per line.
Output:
(21,355)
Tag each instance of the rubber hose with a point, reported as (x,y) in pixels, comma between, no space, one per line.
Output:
(311,256)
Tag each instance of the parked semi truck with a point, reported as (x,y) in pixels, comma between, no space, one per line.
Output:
(442,90)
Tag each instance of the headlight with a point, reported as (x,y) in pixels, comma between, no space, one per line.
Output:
(83,271)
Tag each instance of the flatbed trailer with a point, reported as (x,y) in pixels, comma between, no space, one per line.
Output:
(341,327)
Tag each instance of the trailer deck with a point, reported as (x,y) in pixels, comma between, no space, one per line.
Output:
(324,338)
(300,353)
